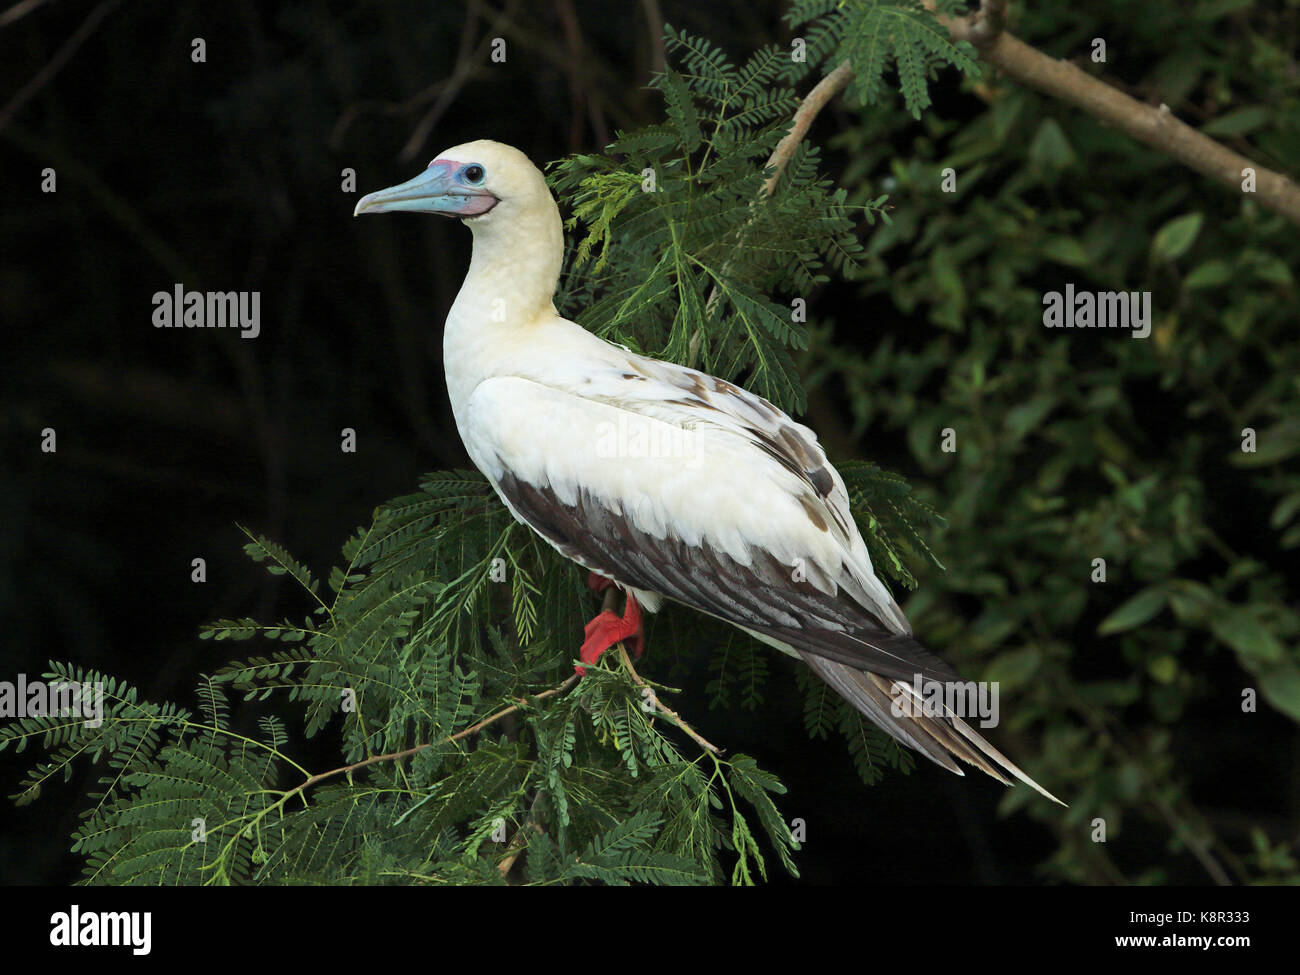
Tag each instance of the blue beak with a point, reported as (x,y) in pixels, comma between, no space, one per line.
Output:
(436,190)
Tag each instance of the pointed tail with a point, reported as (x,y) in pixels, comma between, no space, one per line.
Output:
(939,738)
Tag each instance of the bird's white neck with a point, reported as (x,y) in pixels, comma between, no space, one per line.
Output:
(507,294)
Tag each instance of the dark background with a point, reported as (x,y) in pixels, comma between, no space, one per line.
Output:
(226,175)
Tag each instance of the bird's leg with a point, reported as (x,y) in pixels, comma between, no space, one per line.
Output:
(608,628)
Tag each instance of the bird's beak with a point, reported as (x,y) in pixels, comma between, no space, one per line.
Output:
(436,190)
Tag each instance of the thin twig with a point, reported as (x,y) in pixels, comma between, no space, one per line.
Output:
(468,64)
(408,752)
(56,63)
(607,604)
(1156,127)
(648,692)
(779,161)
(517,845)
(19,10)
(804,115)
(655,22)
(1200,847)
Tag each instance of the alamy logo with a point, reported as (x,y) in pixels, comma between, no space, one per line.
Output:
(38,699)
(179,308)
(1098,309)
(952,698)
(77,928)
(639,436)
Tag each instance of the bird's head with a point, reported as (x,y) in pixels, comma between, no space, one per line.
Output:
(479,182)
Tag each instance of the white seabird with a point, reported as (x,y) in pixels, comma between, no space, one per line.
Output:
(668,481)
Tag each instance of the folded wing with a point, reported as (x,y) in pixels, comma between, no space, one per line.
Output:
(674,483)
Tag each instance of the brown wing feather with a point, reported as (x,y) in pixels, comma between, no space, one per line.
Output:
(809,614)
(844,644)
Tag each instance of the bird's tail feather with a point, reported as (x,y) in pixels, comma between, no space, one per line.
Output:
(939,738)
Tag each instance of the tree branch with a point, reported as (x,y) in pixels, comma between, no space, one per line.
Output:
(517,843)
(408,752)
(56,63)
(19,10)
(813,102)
(648,692)
(1154,127)
(607,604)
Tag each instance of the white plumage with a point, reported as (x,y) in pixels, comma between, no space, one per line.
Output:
(668,481)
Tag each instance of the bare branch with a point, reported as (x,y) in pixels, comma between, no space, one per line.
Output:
(468,62)
(655,23)
(408,752)
(56,63)
(1152,126)
(648,692)
(813,102)
(518,842)
(19,11)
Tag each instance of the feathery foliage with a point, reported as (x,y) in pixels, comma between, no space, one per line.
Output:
(875,34)
(681,257)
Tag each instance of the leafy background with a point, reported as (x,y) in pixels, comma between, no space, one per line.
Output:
(1123,697)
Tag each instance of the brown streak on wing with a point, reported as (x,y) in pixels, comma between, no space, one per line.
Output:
(787,446)
(810,614)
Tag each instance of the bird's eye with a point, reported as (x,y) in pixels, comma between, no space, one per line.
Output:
(474,173)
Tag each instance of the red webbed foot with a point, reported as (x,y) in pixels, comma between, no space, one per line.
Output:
(608,628)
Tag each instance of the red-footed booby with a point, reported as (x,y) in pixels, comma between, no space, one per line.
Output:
(666,480)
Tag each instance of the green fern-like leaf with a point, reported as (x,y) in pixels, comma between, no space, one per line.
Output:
(873,34)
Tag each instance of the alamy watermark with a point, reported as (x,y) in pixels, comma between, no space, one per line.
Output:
(946,698)
(38,699)
(76,928)
(636,436)
(1098,309)
(179,308)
